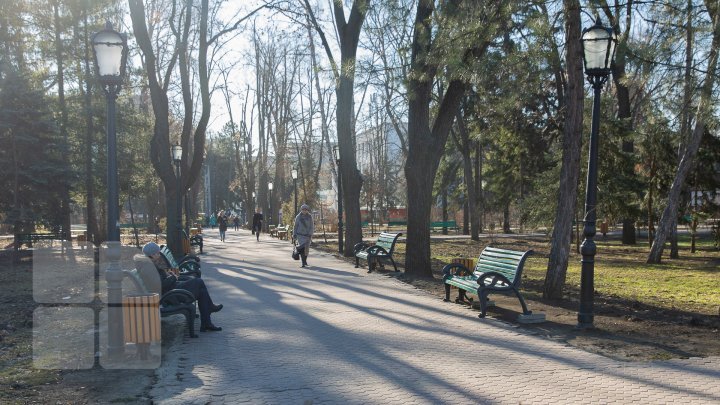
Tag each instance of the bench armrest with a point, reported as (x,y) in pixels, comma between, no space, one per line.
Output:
(496,278)
(359,247)
(455,269)
(376,250)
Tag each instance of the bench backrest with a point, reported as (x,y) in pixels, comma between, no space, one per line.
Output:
(509,263)
(387,241)
(167,254)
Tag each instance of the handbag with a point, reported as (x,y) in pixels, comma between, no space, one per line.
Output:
(295,253)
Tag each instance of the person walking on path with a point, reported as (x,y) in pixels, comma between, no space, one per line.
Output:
(222,226)
(196,286)
(257,223)
(236,223)
(303,231)
(213,221)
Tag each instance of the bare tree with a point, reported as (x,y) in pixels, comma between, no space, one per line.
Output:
(348,31)
(160,65)
(702,116)
(427,137)
(570,170)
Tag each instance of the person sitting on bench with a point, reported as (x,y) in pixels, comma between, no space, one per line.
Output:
(196,286)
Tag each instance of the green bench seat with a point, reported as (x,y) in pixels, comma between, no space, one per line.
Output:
(496,271)
(445,225)
(380,252)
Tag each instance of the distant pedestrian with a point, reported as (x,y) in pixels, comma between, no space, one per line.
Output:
(213,221)
(236,223)
(257,223)
(303,232)
(222,226)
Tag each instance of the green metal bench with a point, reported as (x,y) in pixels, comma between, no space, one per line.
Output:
(281,232)
(30,238)
(497,270)
(381,251)
(445,225)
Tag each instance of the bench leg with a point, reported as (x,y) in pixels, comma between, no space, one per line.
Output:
(393,262)
(463,298)
(190,320)
(522,302)
(447,293)
(482,294)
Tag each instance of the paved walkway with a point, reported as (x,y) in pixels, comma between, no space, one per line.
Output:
(334,334)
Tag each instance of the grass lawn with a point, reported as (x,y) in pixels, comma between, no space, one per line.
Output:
(689,284)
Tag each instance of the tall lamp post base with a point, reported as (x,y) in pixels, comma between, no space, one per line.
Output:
(114,278)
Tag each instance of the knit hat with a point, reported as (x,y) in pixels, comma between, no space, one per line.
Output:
(305,207)
(150,249)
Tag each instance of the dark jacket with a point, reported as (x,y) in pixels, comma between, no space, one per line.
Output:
(257,220)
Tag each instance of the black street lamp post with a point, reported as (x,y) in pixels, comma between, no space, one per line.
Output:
(188,215)
(336,152)
(177,151)
(294,173)
(110,53)
(598,49)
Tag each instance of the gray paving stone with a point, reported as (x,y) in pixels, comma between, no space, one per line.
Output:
(334,334)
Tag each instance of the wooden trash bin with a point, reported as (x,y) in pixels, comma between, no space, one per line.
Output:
(186,246)
(469,263)
(141,321)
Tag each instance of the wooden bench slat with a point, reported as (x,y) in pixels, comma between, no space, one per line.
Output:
(499,264)
(504,254)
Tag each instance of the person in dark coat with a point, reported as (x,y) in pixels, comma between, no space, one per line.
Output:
(222,226)
(257,223)
(196,286)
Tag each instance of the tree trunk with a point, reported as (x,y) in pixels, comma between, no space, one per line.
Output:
(480,205)
(426,142)
(650,198)
(567,196)
(160,144)
(348,32)
(65,194)
(420,175)
(351,178)
(506,218)
(704,110)
(471,211)
(623,101)
(444,209)
(132,222)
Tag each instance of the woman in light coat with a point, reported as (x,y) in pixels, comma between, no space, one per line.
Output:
(303,231)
